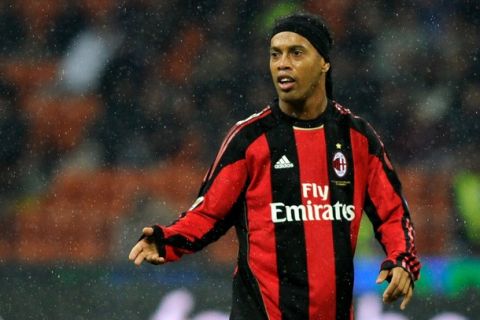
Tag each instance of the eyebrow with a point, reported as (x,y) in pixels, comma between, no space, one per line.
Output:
(295,46)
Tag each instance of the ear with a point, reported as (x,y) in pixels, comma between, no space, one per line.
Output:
(326,67)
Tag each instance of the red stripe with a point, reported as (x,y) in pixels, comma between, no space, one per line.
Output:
(217,203)
(318,234)
(389,207)
(381,191)
(359,145)
(233,132)
(261,231)
(385,156)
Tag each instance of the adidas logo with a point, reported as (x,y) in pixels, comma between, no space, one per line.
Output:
(283,163)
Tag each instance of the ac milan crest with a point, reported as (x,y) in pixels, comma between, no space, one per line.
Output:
(339,164)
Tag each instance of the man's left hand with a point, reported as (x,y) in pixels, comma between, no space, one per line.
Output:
(400,285)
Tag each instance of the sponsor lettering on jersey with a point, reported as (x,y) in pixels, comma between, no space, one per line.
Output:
(311,212)
(281,212)
(313,190)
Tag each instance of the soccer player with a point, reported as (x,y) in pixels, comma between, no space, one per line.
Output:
(294,180)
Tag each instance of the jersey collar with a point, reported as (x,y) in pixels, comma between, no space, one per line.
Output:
(280,115)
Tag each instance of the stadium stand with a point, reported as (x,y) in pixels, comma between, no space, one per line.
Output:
(160,109)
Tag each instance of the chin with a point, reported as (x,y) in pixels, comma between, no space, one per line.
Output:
(290,97)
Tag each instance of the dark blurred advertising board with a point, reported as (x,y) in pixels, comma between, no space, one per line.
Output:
(449,289)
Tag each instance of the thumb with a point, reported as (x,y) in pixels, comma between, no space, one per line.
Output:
(383,275)
(148,231)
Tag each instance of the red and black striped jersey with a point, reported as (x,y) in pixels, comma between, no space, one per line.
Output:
(295,190)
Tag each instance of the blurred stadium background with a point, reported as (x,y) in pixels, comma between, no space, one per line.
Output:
(111,111)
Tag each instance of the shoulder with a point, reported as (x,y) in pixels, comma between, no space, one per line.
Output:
(256,117)
(238,138)
(252,126)
(359,125)
(244,132)
(353,120)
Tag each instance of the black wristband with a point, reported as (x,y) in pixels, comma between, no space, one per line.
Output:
(158,238)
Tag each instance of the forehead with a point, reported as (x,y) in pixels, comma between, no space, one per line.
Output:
(289,39)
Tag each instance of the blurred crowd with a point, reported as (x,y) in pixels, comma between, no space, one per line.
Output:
(138,85)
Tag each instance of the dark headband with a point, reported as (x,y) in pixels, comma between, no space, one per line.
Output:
(310,27)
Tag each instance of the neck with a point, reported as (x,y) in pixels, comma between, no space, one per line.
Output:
(305,110)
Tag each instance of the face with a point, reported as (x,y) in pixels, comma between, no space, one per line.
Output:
(298,70)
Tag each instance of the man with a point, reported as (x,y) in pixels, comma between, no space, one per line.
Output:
(294,180)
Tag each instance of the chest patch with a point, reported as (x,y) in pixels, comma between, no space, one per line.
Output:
(339,164)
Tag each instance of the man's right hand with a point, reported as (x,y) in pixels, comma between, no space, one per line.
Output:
(145,250)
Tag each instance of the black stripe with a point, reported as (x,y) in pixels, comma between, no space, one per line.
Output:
(289,236)
(337,135)
(246,298)
(405,233)
(372,213)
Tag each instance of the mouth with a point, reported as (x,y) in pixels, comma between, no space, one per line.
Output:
(285,83)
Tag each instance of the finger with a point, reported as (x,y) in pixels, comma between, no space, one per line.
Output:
(155,259)
(407,298)
(401,288)
(403,285)
(388,294)
(148,231)
(382,276)
(136,250)
(139,259)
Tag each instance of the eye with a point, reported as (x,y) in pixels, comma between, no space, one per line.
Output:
(274,54)
(297,52)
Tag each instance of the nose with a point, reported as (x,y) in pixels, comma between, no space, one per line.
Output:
(284,62)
